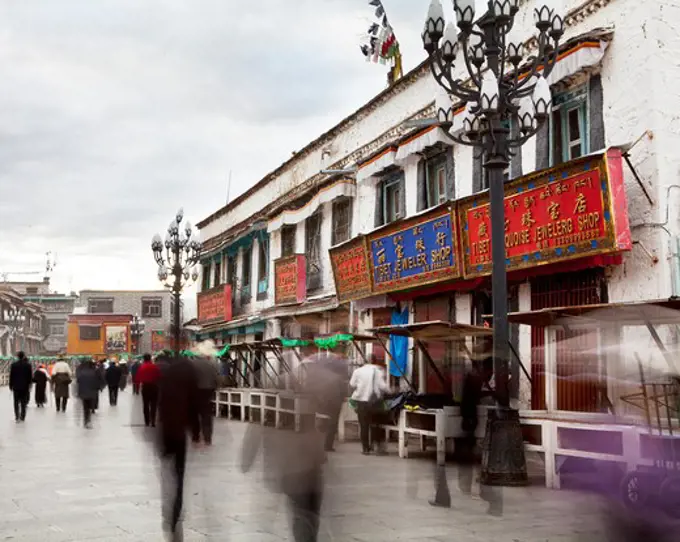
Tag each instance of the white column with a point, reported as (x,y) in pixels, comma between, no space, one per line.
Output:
(300,238)
(411,184)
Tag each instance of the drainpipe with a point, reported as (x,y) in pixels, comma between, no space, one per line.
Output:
(675,266)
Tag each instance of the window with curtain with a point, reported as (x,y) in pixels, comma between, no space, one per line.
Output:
(217,273)
(391,196)
(313,251)
(263,268)
(246,274)
(342,220)
(288,234)
(205,277)
(569,125)
(435,180)
(231,275)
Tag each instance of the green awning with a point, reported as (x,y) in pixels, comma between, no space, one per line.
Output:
(330,343)
(294,343)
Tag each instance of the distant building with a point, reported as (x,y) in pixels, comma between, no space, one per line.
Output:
(56,308)
(99,335)
(21,323)
(153,307)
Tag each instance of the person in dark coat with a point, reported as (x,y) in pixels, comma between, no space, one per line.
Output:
(124,372)
(20,379)
(177,403)
(114,374)
(40,379)
(62,376)
(133,373)
(89,385)
(207,381)
(100,369)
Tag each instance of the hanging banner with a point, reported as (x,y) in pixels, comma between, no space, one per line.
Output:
(416,251)
(215,305)
(571,211)
(290,279)
(350,270)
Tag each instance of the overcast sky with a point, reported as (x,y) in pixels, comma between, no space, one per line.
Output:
(114,113)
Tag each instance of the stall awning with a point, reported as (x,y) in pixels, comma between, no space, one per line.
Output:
(378,163)
(658,312)
(345,188)
(434,331)
(421,141)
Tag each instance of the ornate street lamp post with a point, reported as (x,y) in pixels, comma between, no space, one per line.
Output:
(137,327)
(182,251)
(16,320)
(501,91)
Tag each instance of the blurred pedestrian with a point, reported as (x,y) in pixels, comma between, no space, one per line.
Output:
(20,379)
(370,386)
(113,376)
(176,405)
(207,382)
(100,370)
(339,366)
(89,386)
(124,374)
(62,376)
(148,376)
(133,374)
(40,378)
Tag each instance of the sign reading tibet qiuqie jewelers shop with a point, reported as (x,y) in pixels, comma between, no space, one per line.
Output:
(350,270)
(413,252)
(571,211)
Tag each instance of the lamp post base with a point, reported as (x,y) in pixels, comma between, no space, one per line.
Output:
(503,460)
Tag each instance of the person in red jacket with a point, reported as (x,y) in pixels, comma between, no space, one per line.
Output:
(148,377)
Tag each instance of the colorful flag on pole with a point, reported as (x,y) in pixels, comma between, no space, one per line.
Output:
(381,44)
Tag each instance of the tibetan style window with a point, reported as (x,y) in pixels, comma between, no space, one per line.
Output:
(246,279)
(231,275)
(263,268)
(152,307)
(217,273)
(391,199)
(313,251)
(205,277)
(342,220)
(435,180)
(90,333)
(100,305)
(56,329)
(569,126)
(288,234)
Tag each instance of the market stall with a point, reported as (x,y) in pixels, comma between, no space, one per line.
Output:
(632,389)
(435,417)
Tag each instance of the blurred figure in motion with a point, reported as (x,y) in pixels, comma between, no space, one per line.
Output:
(293,461)
(148,376)
(20,379)
(207,382)
(124,373)
(338,365)
(113,376)
(40,378)
(100,369)
(89,384)
(62,376)
(177,403)
(133,374)
(370,386)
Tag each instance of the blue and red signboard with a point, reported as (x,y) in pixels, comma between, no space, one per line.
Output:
(422,250)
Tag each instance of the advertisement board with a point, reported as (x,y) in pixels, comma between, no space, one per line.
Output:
(290,279)
(351,270)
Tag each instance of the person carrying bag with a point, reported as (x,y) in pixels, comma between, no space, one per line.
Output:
(369,385)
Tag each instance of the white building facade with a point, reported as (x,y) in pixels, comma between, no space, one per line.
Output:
(615,86)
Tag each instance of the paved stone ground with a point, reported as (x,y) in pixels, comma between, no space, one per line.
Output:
(60,482)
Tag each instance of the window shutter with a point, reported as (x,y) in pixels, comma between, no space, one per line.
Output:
(477,171)
(543,146)
(422,185)
(379,218)
(597,135)
(450,174)
(516,161)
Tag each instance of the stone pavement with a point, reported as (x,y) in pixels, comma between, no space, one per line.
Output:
(60,482)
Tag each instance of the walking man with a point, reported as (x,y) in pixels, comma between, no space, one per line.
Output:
(113,376)
(207,380)
(369,385)
(148,377)
(89,385)
(62,376)
(20,378)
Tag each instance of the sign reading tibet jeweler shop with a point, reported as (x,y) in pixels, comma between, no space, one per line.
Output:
(290,279)
(215,305)
(350,270)
(421,250)
(572,211)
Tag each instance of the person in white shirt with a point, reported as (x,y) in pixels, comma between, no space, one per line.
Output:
(370,386)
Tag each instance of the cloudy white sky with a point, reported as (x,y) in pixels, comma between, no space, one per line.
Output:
(114,113)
